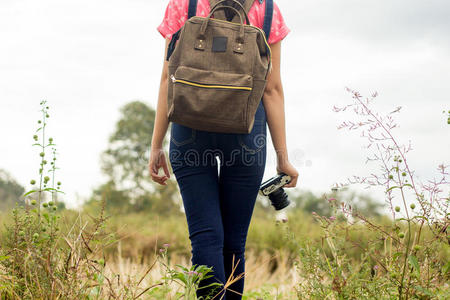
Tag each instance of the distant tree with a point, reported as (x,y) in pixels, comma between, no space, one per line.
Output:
(10,191)
(365,204)
(125,163)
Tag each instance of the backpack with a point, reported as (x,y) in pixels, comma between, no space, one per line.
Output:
(218,69)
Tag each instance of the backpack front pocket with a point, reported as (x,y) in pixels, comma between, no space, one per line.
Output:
(210,98)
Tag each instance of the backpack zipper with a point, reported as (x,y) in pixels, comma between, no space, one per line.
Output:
(209,86)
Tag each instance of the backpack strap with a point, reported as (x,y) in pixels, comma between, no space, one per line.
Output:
(247,6)
(228,15)
(268,17)
(192,11)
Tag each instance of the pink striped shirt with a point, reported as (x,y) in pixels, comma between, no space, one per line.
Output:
(177,12)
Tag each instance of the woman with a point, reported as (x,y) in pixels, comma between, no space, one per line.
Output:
(219,198)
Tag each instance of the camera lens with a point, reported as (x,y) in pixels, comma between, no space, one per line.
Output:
(279,199)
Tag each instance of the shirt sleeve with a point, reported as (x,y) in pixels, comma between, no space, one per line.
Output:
(174,18)
(279,29)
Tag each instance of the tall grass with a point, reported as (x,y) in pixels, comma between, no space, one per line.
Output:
(48,252)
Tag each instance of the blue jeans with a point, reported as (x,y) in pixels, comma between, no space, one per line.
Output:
(219,197)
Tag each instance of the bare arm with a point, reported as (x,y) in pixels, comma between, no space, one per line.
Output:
(157,156)
(274,105)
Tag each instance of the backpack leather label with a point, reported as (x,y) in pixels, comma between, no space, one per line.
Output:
(219,44)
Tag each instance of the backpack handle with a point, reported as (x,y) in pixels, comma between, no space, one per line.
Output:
(227,6)
(239,39)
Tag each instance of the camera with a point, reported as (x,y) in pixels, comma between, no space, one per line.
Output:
(273,188)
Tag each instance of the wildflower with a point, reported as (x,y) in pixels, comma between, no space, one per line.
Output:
(331,200)
(166,245)
(332,218)
(314,213)
(162,250)
(376,267)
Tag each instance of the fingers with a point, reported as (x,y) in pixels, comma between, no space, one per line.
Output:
(293,183)
(154,169)
(161,179)
(165,168)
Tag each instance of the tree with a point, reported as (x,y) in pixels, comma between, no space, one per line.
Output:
(10,191)
(125,162)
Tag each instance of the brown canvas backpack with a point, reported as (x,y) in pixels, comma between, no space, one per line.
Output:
(218,69)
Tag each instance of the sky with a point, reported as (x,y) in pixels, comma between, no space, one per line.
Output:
(89,58)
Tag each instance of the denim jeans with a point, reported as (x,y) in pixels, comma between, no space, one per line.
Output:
(219,196)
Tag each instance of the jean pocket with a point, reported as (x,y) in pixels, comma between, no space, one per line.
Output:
(181,135)
(255,141)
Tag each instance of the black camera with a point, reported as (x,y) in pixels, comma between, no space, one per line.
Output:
(273,188)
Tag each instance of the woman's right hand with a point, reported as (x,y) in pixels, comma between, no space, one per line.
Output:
(287,168)
(156,162)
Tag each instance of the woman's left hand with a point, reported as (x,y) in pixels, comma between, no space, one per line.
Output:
(156,162)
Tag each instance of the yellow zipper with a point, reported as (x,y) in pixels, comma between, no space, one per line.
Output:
(209,86)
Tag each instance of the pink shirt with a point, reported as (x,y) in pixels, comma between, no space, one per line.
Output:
(177,13)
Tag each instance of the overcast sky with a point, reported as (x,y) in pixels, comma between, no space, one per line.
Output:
(89,58)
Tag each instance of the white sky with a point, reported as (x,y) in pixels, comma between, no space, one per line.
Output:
(89,58)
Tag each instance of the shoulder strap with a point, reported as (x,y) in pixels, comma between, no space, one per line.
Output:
(192,8)
(268,17)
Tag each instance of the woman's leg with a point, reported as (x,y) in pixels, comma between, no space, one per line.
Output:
(240,177)
(198,182)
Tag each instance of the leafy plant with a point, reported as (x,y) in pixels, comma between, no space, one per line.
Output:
(406,257)
(188,279)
